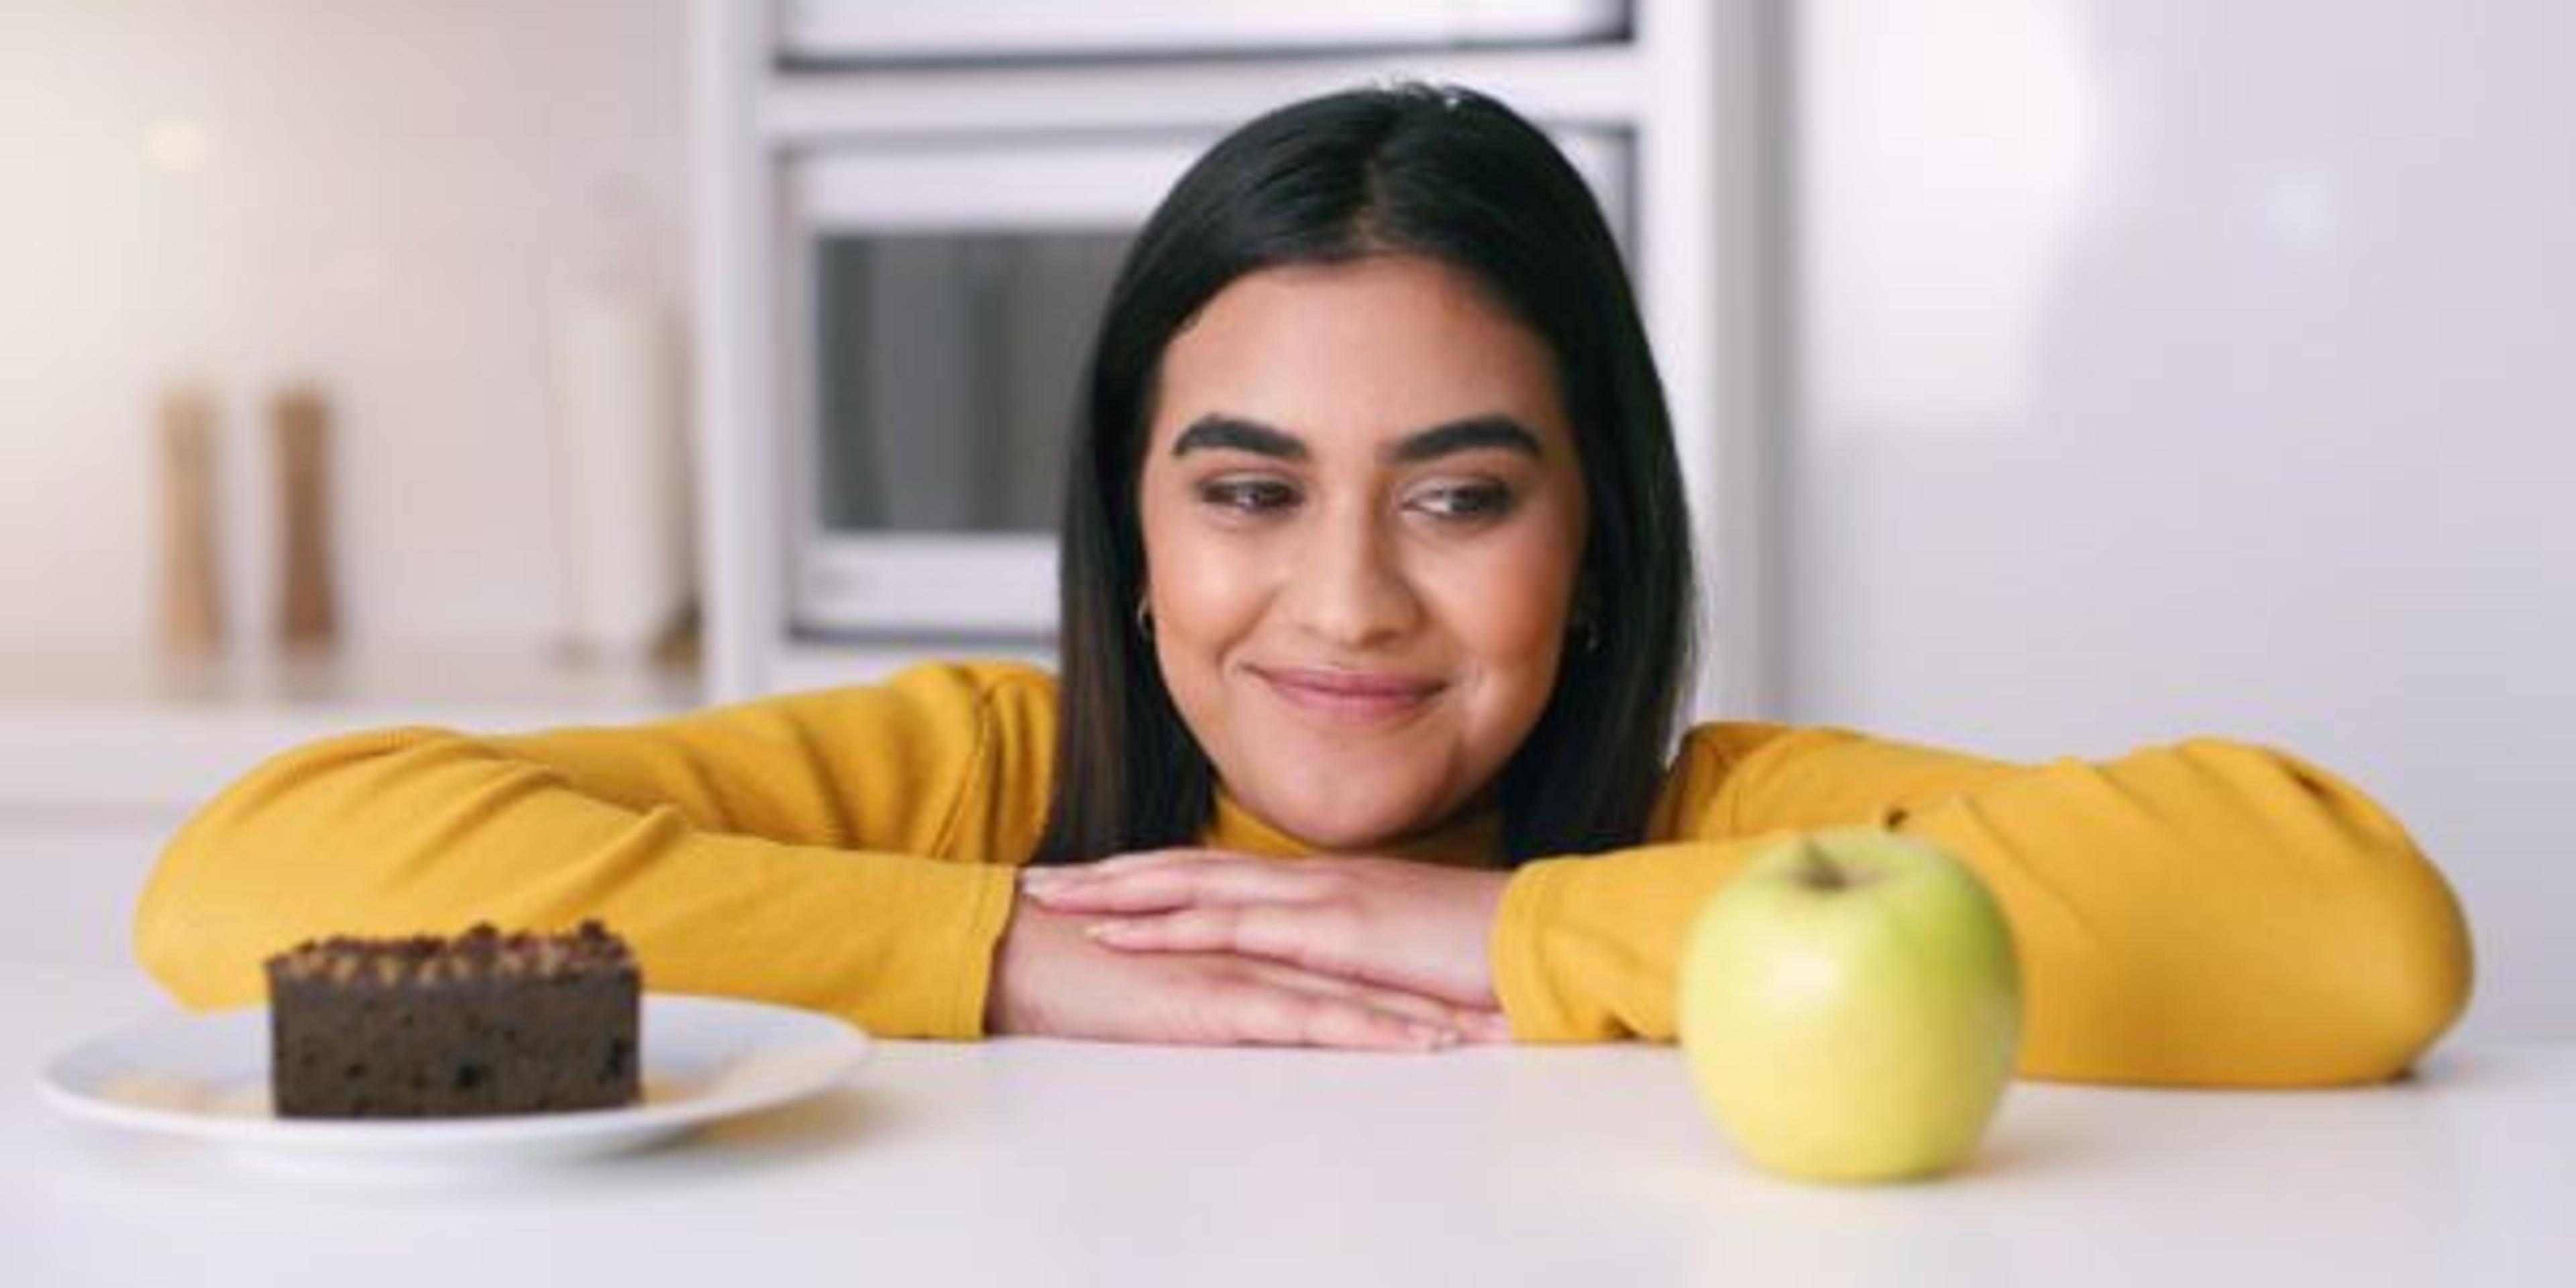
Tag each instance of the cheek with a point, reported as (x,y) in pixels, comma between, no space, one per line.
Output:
(1207,591)
(1509,614)
(1204,590)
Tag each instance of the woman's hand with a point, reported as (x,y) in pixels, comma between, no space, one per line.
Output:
(1410,926)
(1051,978)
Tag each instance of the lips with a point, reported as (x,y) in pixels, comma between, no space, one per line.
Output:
(1355,696)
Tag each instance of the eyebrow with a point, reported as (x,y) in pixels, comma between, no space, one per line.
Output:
(1465,435)
(1217,431)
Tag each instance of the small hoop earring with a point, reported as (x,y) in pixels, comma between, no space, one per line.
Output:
(1144,617)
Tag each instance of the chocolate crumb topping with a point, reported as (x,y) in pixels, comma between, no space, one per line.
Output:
(482,952)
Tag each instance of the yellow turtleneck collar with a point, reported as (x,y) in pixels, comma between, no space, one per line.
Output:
(1474,840)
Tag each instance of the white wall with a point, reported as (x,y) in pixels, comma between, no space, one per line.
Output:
(392,199)
(2205,367)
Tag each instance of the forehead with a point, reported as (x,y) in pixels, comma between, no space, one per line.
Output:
(1364,350)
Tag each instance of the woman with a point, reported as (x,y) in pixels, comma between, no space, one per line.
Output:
(1374,559)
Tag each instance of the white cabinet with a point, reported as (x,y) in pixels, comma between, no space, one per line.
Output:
(961,29)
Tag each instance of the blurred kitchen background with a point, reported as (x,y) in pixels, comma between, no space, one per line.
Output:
(2054,377)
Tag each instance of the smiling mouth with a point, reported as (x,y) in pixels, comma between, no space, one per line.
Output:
(1354,696)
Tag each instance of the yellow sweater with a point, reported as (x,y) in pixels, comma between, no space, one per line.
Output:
(2206,912)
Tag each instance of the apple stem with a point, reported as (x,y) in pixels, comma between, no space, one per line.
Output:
(1820,871)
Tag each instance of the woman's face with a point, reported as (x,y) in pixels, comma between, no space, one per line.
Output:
(1363,515)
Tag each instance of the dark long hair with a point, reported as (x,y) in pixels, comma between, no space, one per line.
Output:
(1457,177)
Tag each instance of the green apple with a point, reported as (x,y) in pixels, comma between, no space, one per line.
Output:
(1850,1006)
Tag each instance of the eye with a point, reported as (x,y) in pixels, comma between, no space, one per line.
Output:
(1248,495)
(1473,501)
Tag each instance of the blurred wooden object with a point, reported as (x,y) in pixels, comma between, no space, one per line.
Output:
(308,616)
(191,609)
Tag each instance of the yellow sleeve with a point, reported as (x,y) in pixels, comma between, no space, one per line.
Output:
(2205,913)
(845,850)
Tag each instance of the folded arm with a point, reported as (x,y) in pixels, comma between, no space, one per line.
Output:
(766,850)
(2202,913)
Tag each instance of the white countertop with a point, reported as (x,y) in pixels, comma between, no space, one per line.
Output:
(1026,1162)
(116,729)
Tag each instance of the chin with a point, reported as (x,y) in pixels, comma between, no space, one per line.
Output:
(1332,825)
(1341,840)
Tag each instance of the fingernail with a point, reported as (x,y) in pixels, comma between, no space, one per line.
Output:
(1432,1036)
(1041,876)
(1108,929)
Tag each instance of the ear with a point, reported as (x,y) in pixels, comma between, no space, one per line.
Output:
(1583,617)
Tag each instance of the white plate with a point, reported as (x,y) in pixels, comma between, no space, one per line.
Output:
(206,1077)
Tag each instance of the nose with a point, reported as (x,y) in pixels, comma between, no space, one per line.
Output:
(1348,586)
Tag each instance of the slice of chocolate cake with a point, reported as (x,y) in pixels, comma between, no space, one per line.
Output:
(426,1027)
